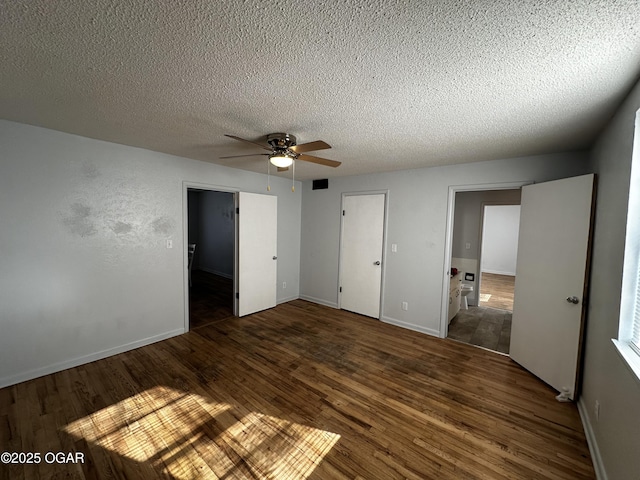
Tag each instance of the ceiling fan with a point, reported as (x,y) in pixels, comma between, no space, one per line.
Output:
(284,150)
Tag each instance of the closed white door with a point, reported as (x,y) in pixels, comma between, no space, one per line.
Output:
(257,252)
(361,253)
(551,276)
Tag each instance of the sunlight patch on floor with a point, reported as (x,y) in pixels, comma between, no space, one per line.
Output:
(186,435)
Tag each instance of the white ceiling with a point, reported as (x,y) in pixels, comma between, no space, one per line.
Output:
(389,84)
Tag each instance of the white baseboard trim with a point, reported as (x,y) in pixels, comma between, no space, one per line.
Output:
(287,299)
(74,362)
(598,466)
(215,272)
(319,301)
(499,272)
(410,326)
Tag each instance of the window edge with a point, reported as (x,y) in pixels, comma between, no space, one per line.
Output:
(629,356)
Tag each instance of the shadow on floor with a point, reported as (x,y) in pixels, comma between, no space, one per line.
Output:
(485,327)
(210,299)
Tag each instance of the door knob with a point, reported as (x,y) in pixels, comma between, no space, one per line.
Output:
(377,263)
(575,300)
(275,258)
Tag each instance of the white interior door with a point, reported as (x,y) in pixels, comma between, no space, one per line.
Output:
(551,276)
(257,252)
(361,253)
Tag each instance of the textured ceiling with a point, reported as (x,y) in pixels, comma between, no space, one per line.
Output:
(389,84)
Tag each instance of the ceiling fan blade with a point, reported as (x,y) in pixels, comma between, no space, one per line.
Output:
(320,161)
(248,141)
(310,147)
(249,155)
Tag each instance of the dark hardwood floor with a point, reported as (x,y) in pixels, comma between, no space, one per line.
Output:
(210,298)
(300,391)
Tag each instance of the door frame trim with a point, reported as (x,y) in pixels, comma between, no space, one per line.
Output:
(186,186)
(451,207)
(384,243)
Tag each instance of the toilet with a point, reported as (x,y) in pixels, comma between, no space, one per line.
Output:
(465,290)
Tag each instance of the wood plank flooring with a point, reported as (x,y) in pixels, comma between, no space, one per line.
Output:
(210,298)
(500,287)
(300,391)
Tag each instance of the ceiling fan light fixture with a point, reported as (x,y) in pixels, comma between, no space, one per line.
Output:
(281,160)
(284,150)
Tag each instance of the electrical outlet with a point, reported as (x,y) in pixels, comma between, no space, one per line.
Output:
(284,284)
(405,306)
(596,409)
(394,247)
(169,243)
(467,245)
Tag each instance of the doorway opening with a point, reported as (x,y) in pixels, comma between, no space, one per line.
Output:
(211,232)
(498,253)
(481,248)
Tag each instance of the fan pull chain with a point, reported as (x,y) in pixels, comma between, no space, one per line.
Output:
(268,175)
(293,185)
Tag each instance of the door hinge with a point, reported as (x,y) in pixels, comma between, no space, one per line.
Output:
(343,213)
(340,289)
(237,210)
(237,295)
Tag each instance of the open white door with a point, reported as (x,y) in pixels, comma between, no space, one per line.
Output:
(551,277)
(361,253)
(257,252)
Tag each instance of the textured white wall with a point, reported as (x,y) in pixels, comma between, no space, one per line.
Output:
(416,223)
(84,268)
(500,239)
(606,378)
